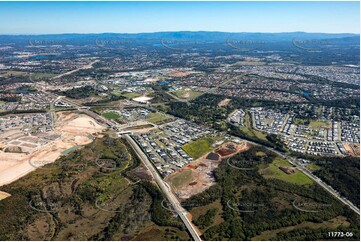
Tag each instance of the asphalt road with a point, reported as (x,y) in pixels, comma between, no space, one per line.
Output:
(313,177)
(176,204)
(165,188)
(162,185)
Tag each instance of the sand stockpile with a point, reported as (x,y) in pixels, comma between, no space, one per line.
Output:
(72,130)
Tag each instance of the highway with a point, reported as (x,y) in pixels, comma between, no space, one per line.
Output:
(165,188)
(90,65)
(162,185)
(328,188)
(52,112)
(172,198)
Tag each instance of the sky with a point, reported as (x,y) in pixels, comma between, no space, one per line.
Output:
(139,17)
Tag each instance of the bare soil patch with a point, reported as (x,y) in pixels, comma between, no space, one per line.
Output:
(178,74)
(198,175)
(224,102)
(4,195)
(352,149)
(72,130)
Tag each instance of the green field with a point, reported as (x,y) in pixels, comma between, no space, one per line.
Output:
(187,93)
(300,121)
(251,132)
(260,153)
(313,167)
(157,117)
(117,93)
(15,73)
(318,124)
(181,178)
(254,133)
(130,95)
(111,115)
(272,171)
(41,75)
(199,147)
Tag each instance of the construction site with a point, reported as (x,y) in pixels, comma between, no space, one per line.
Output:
(22,151)
(198,176)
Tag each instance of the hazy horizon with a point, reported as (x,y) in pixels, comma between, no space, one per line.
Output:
(34,18)
(191,31)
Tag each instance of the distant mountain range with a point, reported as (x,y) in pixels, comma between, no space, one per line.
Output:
(204,36)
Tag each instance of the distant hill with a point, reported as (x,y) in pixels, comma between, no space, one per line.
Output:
(203,36)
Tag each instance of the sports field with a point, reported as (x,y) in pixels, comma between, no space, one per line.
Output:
(111,115)
(318,124)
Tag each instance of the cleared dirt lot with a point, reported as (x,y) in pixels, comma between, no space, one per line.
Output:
(4,195)
(179,74)
(352,149)
(224,102)
(197,176)
(73,130)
